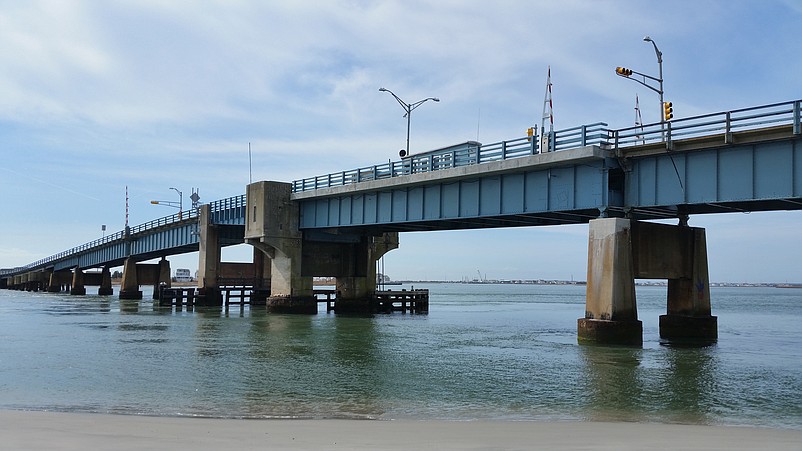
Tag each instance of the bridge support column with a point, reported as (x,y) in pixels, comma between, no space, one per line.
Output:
(209,260)
(262,274)
(129,287)
(271,225)
(611,314)
(59,281)
(688,317)
(355,293)
(105,283)
(621,250)
(163,278)
(78,287)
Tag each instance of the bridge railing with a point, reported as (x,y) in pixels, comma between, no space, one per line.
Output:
(220,209)
(465,154)
(723,123)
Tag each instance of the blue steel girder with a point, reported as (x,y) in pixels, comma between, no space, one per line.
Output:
(564,187)
(718,178)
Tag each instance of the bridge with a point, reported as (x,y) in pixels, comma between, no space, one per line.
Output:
(340,224)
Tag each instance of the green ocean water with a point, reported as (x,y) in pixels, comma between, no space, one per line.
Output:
(482,352)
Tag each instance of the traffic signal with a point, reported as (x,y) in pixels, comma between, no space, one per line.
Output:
(668,111)
(623,71)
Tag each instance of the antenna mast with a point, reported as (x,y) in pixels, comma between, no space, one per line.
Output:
(548,113)
(639,122)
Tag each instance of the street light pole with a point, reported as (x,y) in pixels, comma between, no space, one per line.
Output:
(408,107)
(180,202)
(660,76)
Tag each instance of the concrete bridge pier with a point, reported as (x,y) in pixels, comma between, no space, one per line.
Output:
(611,314)
(271,225)
(208,260)
(262,270)
(163,278)
(55,281)
(78,287)
(688,317)
(129,286)
(356,290)
(621,250)
(105,283)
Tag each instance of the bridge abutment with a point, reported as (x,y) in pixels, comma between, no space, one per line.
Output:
(621,250)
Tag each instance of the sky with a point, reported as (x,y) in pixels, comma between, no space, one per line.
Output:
(97,96)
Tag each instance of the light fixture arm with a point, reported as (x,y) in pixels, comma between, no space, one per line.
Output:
(408,107)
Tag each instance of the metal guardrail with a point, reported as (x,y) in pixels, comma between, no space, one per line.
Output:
(469,154)
(217,206)
(726,123)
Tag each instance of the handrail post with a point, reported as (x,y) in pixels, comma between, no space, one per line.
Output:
(503,150)
(533,142)
(453,158)
(669,145)
(728,128)
(584,137)
(797,126)
(615,140)
(328,185)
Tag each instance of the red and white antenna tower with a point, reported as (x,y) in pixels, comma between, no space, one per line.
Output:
(126,207)
(548,113)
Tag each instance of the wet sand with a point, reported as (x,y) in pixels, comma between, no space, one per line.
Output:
(20,430)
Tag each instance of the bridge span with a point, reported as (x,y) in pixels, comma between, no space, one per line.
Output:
(340,224)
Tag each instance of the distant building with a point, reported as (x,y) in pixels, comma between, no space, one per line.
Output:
(183,275)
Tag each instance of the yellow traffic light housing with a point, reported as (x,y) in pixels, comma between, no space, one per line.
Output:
(668,111)
(623,71)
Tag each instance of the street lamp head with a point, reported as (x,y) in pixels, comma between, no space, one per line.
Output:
(647,39)
(382,89)
(435,99)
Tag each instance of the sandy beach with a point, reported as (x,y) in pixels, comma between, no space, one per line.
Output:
(73,431)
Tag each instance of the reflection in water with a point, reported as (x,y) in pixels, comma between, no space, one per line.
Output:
(689,384)
(613,383)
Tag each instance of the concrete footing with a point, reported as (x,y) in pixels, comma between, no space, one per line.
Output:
(610,332)
(292,304)
(105,291)
(689,329)
(79,291)
(130,294)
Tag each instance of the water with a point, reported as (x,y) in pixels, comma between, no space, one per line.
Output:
(483,352)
